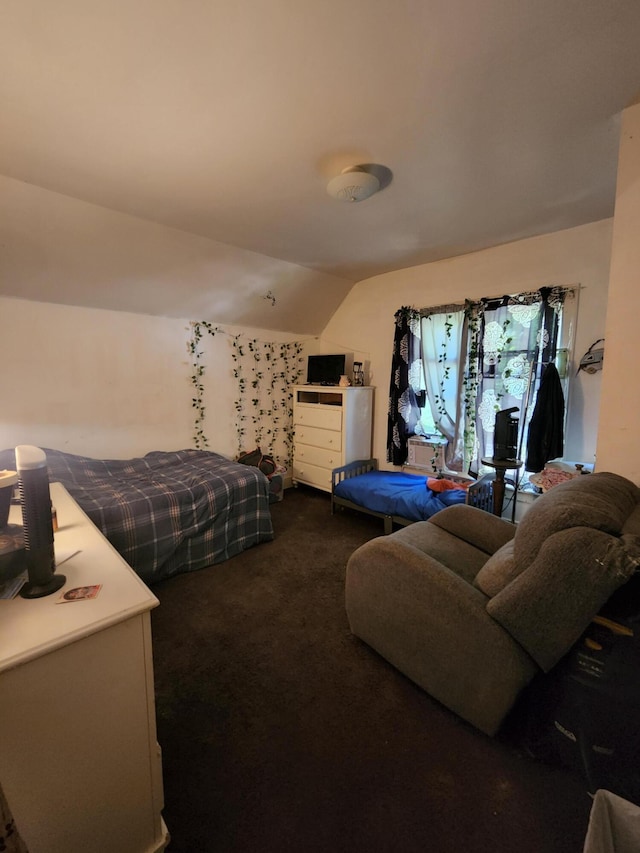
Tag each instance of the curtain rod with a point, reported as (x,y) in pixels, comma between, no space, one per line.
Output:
(568,289)
(442,309)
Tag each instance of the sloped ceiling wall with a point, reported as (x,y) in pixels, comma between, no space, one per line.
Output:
(62,250)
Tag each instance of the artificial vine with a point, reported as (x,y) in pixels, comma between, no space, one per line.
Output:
(194,348)
(264,373)
(471,380)
(436,449)
(439,398)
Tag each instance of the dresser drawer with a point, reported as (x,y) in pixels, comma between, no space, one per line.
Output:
(313,475)
(306,454)
(315,416)
(324,438)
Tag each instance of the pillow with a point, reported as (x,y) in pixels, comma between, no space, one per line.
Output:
(548,606)
(440,484)
(258,459)
(601,501)
(498,571)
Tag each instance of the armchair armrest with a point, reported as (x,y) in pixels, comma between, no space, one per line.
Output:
(433,626)
(480,529)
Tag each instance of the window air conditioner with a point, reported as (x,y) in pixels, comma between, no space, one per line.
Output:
(427,453)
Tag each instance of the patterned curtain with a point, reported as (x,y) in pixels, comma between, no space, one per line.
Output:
(406,378)
(514,338)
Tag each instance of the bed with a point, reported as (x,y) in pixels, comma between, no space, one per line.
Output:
(167,512)
(397,497)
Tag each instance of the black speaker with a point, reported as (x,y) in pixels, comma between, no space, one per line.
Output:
(505,437)
(33,487)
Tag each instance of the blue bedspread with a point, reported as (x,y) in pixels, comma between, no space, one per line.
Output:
(397,493)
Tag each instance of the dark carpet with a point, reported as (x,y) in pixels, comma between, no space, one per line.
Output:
(282,732)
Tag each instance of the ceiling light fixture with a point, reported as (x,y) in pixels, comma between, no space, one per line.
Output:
(353,184)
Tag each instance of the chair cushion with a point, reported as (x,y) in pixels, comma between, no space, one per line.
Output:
(498,571)
(600,501)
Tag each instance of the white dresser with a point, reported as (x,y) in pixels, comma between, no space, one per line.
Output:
(332,426)
(79,761)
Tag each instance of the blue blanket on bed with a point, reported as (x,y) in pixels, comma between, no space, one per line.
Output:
(397,493)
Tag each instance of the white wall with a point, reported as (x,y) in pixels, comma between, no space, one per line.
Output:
(92,382)
(619,428)
(364,322)
(109,384)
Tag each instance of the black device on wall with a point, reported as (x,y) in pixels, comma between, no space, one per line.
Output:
(325,369)
(505,436)
(35,499)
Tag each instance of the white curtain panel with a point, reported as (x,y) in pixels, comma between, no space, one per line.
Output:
(444,334)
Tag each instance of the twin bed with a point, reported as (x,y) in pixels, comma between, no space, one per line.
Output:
(167,512)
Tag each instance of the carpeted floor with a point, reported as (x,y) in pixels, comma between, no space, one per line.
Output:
(282,733)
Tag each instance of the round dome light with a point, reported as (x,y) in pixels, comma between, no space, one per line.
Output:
(353,184)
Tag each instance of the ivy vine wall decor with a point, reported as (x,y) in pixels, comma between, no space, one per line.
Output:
(264,372)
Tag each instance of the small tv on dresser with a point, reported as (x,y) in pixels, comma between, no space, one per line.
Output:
(325,369)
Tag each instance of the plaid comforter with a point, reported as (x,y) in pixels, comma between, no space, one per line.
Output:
(167,512)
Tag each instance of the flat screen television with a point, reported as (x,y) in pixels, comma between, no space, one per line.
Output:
(325,369)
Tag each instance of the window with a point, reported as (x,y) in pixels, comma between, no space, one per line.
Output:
(467,362)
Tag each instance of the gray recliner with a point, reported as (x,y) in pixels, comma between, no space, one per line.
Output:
(470,607)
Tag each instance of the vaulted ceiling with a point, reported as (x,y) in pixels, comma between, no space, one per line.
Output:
(221,123)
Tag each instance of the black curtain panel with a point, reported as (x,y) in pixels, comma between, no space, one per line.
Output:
(404,411)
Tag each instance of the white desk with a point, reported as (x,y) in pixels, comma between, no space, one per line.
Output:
(79,760)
